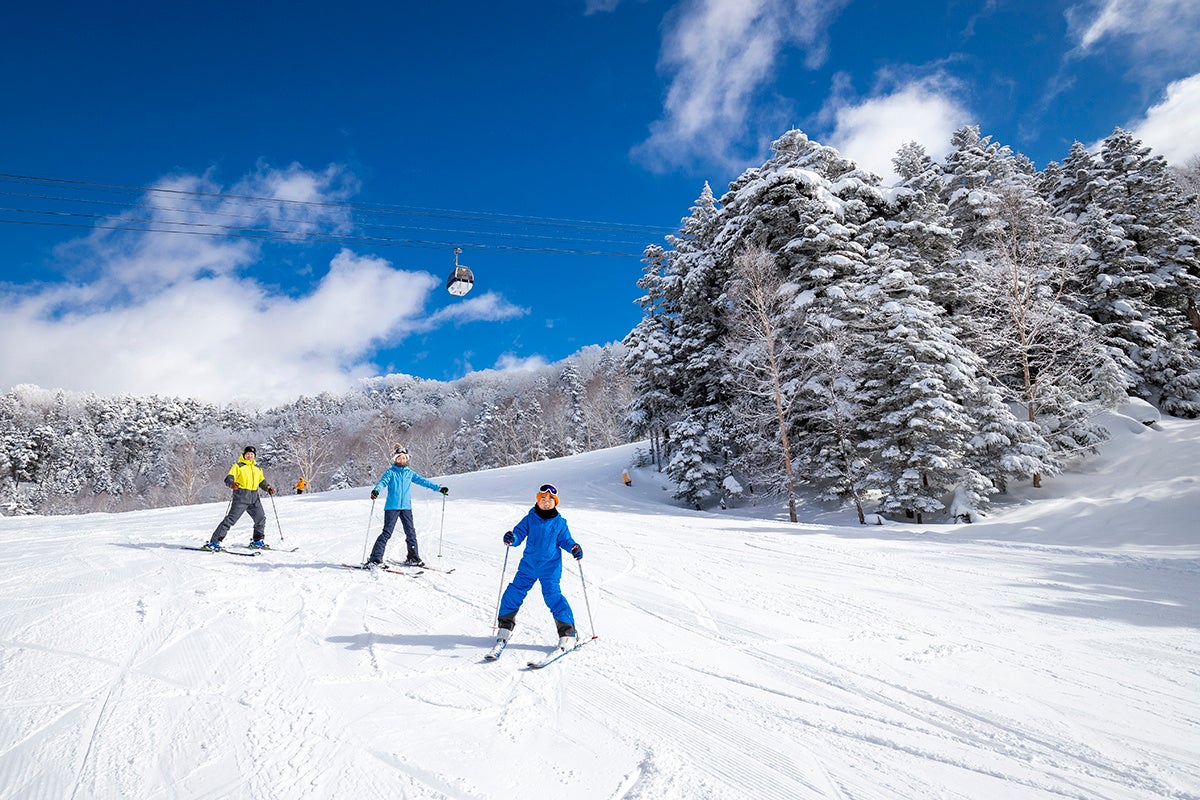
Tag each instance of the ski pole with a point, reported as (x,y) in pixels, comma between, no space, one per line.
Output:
(591,624)
(500,594)
(443,528)
(370,519)
(276,510)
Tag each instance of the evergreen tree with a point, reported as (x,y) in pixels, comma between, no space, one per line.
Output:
(1144,271)
(577,433)
(1016,314)
(917,377)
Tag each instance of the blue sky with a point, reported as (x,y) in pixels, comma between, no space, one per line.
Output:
(532,135)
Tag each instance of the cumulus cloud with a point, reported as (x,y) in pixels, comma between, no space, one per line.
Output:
(1170,127)
(870,131)
(720,55)
(194,315)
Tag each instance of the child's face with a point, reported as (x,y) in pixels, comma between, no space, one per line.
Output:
(545,501)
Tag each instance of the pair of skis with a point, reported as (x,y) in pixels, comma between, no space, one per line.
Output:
(370,567)
(268,548)
(553,656)
(225,550)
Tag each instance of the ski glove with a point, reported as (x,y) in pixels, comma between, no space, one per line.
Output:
(234,486)
(509,538)
(577,551)
(271,490)
(444,490)
(374,494)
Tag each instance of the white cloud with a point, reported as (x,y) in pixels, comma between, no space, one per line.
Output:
(598,6)
(1170,127)
(509,361)
(720,55)
(194,316)
(1157,22)
(487,307)
(870,132)
(1160,34)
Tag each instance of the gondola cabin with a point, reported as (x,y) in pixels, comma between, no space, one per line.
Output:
(461,279)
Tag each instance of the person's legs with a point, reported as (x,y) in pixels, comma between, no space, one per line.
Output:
(236,509)
(260,519)
(514,595)
(564,618)
(410,534)
(389,523)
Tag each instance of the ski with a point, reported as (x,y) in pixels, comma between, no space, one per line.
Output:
(385,569)
(496,650)
(267,548)
(402,565)
(225,550)
(555,656)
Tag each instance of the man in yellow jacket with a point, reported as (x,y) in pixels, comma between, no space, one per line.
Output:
(245,479)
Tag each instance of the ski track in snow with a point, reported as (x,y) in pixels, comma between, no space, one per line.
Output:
(738,657)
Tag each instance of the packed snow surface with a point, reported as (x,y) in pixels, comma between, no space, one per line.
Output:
(1049,651)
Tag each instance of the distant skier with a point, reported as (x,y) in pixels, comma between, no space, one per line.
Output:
(544,532)
(301,485)
(245,479)
(625,477)
(398,479)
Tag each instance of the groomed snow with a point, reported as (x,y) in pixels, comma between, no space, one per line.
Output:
(1050,651)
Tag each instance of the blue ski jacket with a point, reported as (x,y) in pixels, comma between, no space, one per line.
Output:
(397,481)
(543,538)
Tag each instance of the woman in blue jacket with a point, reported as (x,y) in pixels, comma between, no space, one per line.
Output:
(398,480)
(544,532)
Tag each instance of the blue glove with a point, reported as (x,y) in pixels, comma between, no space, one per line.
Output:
(577,551)
(509,538)
(444,490)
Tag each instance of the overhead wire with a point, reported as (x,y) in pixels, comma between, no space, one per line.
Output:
(482,226)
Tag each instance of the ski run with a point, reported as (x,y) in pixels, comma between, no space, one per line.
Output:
(1047,652)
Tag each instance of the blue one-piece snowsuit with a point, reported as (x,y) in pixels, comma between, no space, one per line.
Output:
(545,534)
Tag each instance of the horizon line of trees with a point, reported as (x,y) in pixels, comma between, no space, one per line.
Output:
(913,350)
(66,452)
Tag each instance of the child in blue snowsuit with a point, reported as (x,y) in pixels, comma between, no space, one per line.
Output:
(544,532)
(397,480)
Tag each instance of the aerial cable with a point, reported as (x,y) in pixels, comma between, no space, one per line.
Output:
(380,209)
(202,213)
(298,236)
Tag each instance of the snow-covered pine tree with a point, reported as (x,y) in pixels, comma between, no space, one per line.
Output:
(1144,270)
(917,377)
(919,229)
(1016,314)
(535,432)
(700,374)
(576,438)
(690,465)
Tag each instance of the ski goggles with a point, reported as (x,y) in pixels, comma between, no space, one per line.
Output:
(548,487)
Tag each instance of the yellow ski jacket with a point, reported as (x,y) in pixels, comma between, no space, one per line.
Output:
(247,475)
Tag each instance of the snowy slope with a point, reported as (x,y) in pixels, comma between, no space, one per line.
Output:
(1047,652)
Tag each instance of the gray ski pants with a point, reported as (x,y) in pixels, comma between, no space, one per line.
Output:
(243,500)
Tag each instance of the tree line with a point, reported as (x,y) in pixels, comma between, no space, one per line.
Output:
(64,452)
